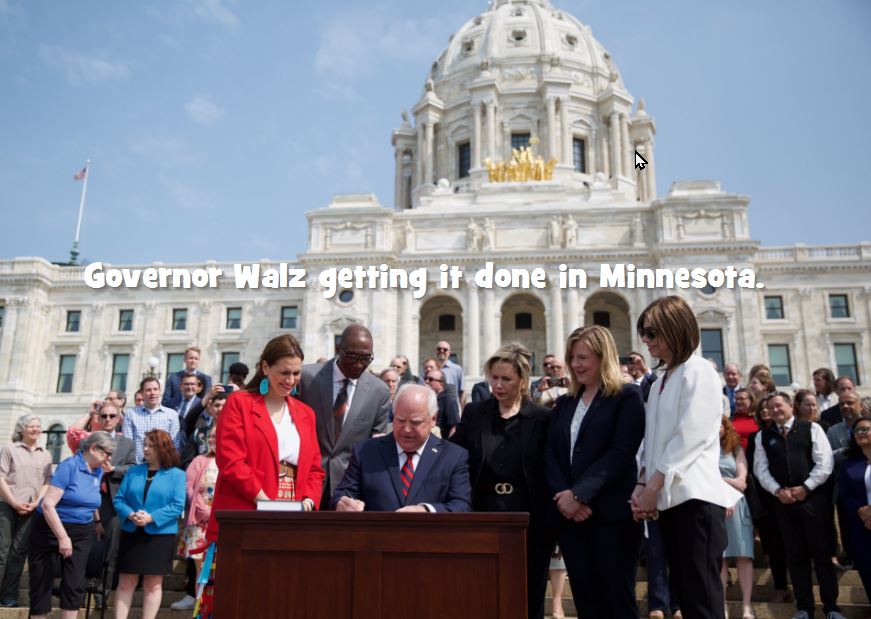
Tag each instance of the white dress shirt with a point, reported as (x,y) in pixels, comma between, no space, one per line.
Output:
(821,453)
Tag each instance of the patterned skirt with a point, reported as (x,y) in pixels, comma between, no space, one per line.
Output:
(205,606)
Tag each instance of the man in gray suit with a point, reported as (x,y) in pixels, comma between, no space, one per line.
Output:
(350,404)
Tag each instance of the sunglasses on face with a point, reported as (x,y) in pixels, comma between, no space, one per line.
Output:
(442,349)
(430,379)
(648,332)
(862,431)
(361,359)
(108,416)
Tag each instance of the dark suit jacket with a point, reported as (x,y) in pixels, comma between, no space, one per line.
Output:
(481,391)
(449,412)
(603,472)
(123,458)
(475,434)
(441,478)
(832,415)
(172,391)
(367,415)
(646,382)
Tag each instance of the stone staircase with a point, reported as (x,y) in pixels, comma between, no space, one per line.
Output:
(852,600)
(851,597)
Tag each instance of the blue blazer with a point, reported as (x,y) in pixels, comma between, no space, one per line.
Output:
(441,478)
(165,500)
(602,473)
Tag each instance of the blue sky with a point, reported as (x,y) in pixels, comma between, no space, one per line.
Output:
(214,125)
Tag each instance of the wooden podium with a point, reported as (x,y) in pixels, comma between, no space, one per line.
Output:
(371,565)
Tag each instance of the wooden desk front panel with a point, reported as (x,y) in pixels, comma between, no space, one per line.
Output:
(363,566)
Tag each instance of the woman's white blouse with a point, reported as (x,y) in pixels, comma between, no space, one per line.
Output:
(288,438)
(682,436)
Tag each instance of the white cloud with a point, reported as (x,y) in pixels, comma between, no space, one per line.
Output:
(83,69)
(203,111)
(215,11)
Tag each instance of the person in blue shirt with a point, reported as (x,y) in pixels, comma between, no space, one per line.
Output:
(149,503)
(64,524)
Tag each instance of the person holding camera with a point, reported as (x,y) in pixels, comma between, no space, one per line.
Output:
(552,385)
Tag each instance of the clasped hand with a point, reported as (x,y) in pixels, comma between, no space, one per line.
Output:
(571,508)
(141,518)
(643,504)
(347,504)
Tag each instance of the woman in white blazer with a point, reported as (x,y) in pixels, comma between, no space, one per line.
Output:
(680,481)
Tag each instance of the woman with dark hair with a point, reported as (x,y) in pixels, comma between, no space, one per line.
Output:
(505,437)
(807,409)
(761,385)
(854,495)
(267,446)
(594,435)
(739,524)
(149,503)
(743,421)
(824,386)
(680,477)
(64,525)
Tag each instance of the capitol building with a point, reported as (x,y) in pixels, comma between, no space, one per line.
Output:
(521,151)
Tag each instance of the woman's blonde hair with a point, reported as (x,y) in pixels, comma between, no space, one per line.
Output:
(520,359)
(601,342)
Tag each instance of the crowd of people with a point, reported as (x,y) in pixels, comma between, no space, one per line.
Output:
(614,461)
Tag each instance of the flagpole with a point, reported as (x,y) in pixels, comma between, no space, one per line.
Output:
(74,253)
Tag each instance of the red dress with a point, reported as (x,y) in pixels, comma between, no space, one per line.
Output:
(744,425)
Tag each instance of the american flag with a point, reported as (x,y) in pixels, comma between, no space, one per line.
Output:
(81,174)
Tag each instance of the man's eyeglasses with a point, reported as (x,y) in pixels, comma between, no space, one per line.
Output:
(361,359)
(430,379)
(441,349)
(648,332)
(108,416)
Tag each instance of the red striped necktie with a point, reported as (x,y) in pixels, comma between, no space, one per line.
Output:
(407,473)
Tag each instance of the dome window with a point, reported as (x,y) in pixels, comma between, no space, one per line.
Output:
(478,20)
(517,13)
(518,36)
(571,41)
(468,46)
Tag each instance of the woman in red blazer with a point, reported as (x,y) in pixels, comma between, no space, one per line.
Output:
(267,446)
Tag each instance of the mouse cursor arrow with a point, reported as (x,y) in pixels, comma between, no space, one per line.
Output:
(640,162)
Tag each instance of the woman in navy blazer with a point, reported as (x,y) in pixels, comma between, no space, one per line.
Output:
(854,495)
(595,432)
(149,503)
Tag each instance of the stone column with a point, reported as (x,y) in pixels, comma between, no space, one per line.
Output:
(616,156)
(7,339)
(566,131)
(606,155)
(552,132)
(650,171)
(397,179)
(490,319)
(418,168)
(491,129)
(406,330)
(476,134)
(573,316)
(628,152)
(555,318)
(593,148)
(430,148)
(472,346)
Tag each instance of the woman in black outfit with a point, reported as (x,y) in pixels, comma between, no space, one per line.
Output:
(590,465)
(505,437)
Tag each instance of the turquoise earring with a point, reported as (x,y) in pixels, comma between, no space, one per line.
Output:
(264,386)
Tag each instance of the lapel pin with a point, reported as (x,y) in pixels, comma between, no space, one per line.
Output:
(434,450)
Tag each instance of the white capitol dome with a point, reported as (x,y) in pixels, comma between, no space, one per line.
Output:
(524,41)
